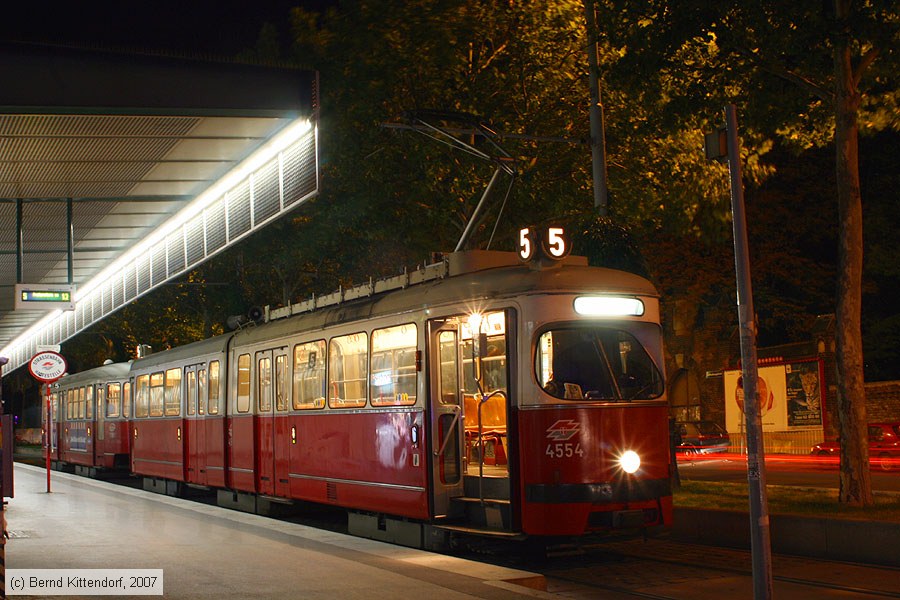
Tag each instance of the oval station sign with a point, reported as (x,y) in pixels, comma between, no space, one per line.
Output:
(47,366)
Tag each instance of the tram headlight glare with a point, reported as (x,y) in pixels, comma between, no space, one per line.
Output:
(630,461)
(474,323)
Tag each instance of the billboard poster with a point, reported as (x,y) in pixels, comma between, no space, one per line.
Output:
(804,397)
(771,389)
(790,397)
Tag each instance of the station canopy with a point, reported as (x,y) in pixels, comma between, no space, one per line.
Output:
(119,172)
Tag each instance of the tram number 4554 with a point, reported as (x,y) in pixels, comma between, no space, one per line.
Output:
(564,450)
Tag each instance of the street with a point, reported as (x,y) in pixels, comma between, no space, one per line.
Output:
(781,469)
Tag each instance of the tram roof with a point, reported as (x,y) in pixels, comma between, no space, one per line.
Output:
(197,350)
(108,372)
(463,278)
(133,141)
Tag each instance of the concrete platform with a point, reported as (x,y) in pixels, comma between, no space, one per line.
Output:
(208,552)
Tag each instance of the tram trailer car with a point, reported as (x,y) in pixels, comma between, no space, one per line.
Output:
(480,395)
(179,416)
(91,429)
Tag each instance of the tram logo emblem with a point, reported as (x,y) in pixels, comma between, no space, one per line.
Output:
(562,430)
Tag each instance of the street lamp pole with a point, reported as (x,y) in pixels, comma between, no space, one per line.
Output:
(760,538)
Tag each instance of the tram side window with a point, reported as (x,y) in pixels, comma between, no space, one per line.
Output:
(157,390)
(213,404)
(80,396)
(142,396)
(89,401)
(393,380)
(347,372)
(309,375)
(113,399)
(281,402)
(243,383)
(191,392)
(126,399)
(101,401)
(201,404)
(264,384)
(173,392)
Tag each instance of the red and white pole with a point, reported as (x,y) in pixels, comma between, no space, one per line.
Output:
(49,435)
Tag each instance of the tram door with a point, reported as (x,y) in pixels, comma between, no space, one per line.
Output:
(445,414)
(194,466)
(100,433)
(273,436)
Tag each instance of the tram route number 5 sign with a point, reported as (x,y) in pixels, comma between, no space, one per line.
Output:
(47,366)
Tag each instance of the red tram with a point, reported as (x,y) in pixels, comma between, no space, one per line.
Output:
(91,413)
(477,395)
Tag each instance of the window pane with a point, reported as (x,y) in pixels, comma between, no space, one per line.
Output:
(142,396)
(191,392)
(281,402)
(201,377)
(156,394)
(309,375)
(393,381)
(126,400)
(173,392)
(347,373)
(449,367)
(264,384)
(89,401)
(213,406)
(493,357)
(595,363)
(243,383)
(113,399)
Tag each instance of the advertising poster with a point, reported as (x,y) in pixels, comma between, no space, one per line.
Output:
(772,399)
(790,397)
(804,397)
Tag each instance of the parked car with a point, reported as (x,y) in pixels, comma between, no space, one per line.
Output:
(700,437)
(884,445)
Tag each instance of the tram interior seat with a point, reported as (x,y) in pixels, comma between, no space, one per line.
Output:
(493,429)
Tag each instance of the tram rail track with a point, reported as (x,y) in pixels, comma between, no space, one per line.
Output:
(642,558)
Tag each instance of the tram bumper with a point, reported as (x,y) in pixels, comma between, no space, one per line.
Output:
(577,509)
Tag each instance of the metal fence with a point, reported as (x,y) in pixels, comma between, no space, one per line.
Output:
(780,442)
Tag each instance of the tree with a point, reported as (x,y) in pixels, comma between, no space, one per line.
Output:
(799,72)
(520,67)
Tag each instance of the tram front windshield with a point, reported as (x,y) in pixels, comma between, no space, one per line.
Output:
(595,363)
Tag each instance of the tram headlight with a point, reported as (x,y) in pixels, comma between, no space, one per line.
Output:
(630,461)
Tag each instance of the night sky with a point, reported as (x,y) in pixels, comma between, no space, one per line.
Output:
(190,26)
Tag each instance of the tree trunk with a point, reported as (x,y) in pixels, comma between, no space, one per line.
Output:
(856,481)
